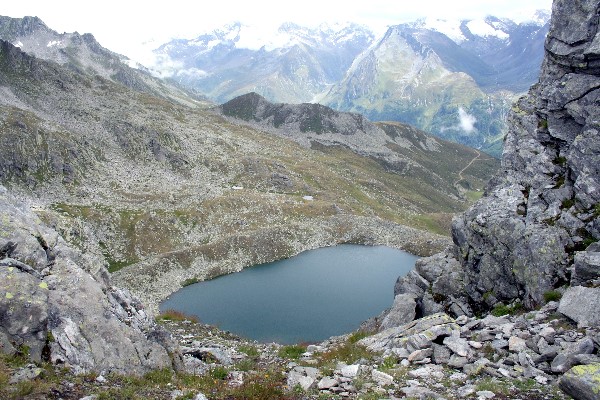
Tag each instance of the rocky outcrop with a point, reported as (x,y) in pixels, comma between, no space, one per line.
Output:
(534,234)
(521,240)
(534,230)
(57,304)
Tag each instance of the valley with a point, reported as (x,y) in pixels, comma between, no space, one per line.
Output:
(455,79)
(118,188)
(168,193)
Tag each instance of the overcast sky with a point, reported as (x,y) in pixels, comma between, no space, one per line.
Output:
(123,25)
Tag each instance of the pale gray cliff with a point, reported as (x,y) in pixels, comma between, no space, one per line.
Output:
(59,305)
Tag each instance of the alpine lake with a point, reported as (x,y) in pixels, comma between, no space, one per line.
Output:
(303,299)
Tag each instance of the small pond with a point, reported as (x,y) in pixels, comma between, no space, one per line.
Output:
(307,298)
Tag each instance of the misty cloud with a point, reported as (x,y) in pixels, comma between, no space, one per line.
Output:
(162,66)
(192,73)
(467,121)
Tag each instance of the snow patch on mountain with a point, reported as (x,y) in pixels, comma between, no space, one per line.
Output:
(480,27)
(450,28)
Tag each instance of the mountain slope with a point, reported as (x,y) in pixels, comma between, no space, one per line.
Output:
(399,148)
(456,89)
(294,65)
(455,79)
(164,192)
(84,54)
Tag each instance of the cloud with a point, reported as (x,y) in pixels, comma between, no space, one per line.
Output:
(162,66)
(137,22)
(467,121)
(192,73)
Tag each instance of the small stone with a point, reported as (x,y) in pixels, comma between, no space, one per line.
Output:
(400,352)
(420,393)
(466,390)
(176,393)
(563,361)
(311,348)
(581,304)
(402,311)
(100,379)
(499,344)
(327,383)
(433,371)
(441,354)
(516,344)
(458,345)
(350,371)
(417,342)
(475,344)
(382,378)
(581,382)
(419,355)
(457,362)
(26,373)
(458,376)
(485,394)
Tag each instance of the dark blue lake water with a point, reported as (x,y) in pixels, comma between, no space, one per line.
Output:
(306,298)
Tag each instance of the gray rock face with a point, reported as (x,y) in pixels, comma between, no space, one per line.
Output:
(586,268)
(24,310)
(528,233)
(402,311)
(582,382)
(53,297)
(581,304)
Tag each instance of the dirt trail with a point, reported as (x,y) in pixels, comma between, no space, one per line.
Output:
(460,176)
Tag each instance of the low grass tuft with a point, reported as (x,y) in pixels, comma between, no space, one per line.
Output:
(174,315)
(552,295)
(292,352)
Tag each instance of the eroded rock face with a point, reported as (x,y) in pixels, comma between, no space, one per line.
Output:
(57,302)
(531,232)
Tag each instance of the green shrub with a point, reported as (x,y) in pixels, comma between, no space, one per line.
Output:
(174,315)
(568,203)
(249,350)
(189,281)
(260,386)
(358,335)
(501,309)
(552,295)
(293,351)
(219,372)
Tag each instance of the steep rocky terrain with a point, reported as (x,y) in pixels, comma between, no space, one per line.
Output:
(58,304)
(94,183)
(84,54)
(534,235)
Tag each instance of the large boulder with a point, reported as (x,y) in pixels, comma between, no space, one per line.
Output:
(582,382)
(54,297)
(582,305)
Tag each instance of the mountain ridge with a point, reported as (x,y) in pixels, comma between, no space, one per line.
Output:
(426,86)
